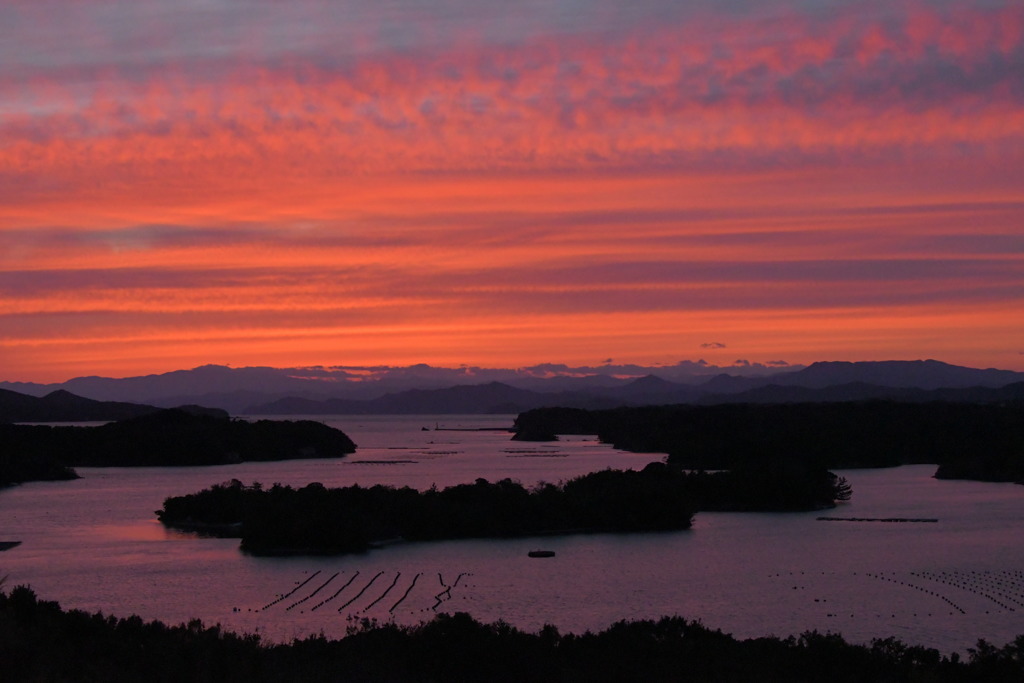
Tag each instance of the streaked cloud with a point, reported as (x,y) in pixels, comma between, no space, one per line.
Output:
(385,183)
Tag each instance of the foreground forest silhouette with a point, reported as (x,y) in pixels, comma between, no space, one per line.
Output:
(41,642)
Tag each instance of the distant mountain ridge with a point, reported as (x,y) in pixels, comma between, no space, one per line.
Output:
(63,406)
(235,389)
(424,389)
(908,374)
(479,399)
(797,387)
(860,391)
(918,374)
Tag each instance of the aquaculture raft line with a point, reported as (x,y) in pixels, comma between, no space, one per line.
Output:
(915,520)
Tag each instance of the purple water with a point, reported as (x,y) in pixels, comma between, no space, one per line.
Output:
(94,544)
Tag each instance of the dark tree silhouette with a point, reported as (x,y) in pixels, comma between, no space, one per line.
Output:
(42,642)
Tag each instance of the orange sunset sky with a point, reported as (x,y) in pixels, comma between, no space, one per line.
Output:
(508,183)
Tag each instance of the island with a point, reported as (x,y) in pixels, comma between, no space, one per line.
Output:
(968,440)
(319,520)
(174,437)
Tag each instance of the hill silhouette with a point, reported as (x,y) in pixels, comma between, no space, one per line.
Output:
(63,406)
(173,437)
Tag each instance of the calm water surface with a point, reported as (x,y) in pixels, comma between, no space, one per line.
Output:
(95,544)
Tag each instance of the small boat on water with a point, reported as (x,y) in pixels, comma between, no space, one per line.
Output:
(541,553)
(7,545)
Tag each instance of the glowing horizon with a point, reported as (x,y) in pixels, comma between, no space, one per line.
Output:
(325,183)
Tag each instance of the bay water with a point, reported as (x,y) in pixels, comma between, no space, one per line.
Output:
(95,544)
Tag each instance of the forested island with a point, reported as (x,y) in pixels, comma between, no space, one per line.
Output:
(968,440)
(315,519)
(42,642)
(175,437)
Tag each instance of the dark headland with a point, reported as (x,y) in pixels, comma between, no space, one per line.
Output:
(966,440)
(174,437)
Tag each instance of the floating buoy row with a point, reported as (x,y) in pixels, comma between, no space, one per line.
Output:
(336,593)
(1014,592)
(386,591)
(879,616)
(527,451)
(360,593)
(444,595)
(289,593)
(320,588)
(897,520)
(406,594)
(439,597)
(1009,585)
(984,584)
(1003,588)
(920,588)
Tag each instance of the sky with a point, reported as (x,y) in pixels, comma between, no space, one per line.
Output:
(500,184)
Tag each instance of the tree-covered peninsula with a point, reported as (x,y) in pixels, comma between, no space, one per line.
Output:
(42,642)
(315,519)
(17,467)
(968,440)
(173,437)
